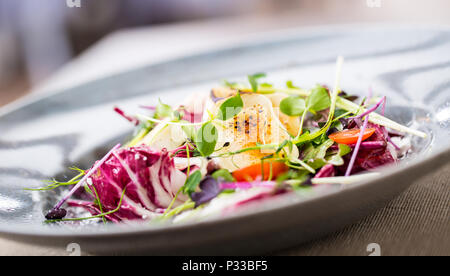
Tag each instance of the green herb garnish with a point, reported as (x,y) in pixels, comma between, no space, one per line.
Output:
(231,108)
(336,159)
(206,139)
(223,174)
(253,80)
(293,106)
(98,202)
(190,131)
(163,110)
(56,184)
(290,84)
(337,89)
(317,101)
(192,183)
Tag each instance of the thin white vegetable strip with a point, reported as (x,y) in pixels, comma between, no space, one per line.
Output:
(377,118)
(356,109)
(344,180)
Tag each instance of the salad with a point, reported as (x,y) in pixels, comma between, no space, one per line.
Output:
(241,143)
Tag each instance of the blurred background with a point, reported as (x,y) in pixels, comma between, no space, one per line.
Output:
(42,39)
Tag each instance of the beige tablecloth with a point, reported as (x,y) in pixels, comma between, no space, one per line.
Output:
(416,223)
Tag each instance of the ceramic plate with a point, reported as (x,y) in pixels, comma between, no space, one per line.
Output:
(41,138)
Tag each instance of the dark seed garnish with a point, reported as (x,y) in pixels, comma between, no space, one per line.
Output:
(56,214)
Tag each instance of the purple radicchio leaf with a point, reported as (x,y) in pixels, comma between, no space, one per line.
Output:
(150,178)
(373,153)
(326,171)
(247,185)
(182,151)
(57,211)
(192,117)
(129,118)
(357,147)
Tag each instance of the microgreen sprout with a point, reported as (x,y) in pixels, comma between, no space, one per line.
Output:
(102,215)
(253,80)
(86,176)
(54,184)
